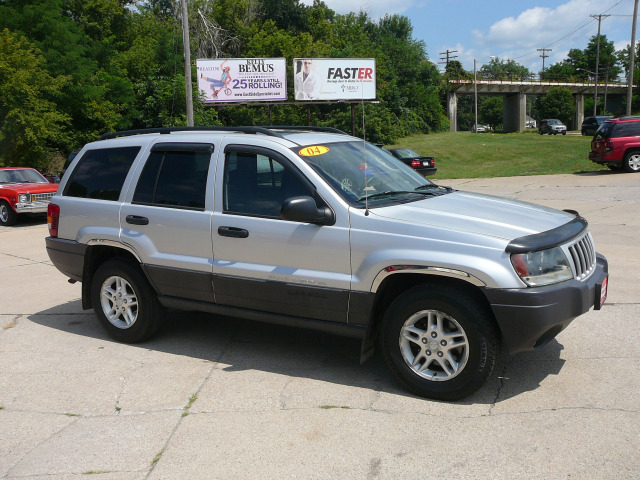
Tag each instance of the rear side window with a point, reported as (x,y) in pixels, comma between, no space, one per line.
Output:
(176,179)
(630,129)
(100,173)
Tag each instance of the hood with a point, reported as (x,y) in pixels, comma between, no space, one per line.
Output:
(30,187)
(478,214)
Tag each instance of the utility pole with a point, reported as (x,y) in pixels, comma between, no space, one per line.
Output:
(187,62)
(475,95)
(595,95)
(448,57)
(632,56)
(544,55)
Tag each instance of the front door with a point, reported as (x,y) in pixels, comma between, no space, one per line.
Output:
(263,262)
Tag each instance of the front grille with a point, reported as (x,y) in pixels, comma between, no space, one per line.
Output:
(583,254)
(42,197)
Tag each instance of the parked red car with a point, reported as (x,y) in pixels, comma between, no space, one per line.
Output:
(23,190)
(617,144)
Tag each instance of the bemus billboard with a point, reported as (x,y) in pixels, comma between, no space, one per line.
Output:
(242,79)
(334,78)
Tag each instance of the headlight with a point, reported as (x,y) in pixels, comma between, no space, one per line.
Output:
(24,198)
(543,267)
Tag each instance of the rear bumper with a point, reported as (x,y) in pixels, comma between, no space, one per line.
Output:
(426,170)
(67,256)
(610,158)
(530,317)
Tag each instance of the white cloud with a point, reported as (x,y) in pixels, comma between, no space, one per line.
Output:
(566,26)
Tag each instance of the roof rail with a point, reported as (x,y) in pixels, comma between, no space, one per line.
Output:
(308,128)
(630,117)
(168,130)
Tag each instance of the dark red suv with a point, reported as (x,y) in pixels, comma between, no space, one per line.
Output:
(617,144)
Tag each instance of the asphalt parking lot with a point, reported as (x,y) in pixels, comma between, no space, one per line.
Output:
(214,397)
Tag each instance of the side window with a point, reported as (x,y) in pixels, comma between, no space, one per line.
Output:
(101,173)
(256,184)
(630,129)
(176,179)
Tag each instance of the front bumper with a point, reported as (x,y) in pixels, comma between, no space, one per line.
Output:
(32,207)
(530,317)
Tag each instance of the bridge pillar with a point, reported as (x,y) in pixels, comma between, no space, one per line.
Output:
(513,112)
(578,118)
(452,111)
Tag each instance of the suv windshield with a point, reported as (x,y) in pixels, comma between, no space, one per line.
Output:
(554,122)
(362,173)
(21,175)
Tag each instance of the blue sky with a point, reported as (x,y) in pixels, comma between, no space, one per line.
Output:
(479,29)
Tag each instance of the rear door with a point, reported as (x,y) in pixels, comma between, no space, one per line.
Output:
(264,263)
(167,219)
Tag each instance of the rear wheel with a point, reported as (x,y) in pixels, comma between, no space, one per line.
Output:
(632,162)
(7,216)
(439,342)
(124,302)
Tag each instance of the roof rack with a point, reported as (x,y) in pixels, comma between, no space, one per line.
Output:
(630,117)
(168,130)
(265,130)
(308,128)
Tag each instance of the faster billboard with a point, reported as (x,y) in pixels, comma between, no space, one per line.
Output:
(242,79)
(334,78)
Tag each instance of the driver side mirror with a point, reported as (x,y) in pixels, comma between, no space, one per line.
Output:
(305,210)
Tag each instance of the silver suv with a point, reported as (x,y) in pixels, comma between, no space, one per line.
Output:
(318,229)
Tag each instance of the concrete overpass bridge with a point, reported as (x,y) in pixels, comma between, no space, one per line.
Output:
(515,97)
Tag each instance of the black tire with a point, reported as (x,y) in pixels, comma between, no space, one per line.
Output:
(564,133)
(120,288)
(462,319)
(631,163)
(7,216)
(583,133)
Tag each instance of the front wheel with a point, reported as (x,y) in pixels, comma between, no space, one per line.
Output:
(631,162)
(564,133)
(7,216)
(124,302)
(439,342)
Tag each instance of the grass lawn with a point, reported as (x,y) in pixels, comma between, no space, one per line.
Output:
(473,155)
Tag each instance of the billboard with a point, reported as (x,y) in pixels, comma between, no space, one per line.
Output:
(334,78)
(242,79)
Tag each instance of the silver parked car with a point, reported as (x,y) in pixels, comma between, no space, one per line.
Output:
(319,229)
(552,126)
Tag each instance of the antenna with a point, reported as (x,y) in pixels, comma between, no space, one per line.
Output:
(364,153)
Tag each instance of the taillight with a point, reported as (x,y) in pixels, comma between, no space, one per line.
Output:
(608,144)
(53,217)
(416,163)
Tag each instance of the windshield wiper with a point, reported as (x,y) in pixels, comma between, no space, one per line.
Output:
(433,186)
(394,192)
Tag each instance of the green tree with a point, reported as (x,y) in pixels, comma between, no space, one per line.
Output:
(498,69)
(557,103)
(490,112)
(31,127)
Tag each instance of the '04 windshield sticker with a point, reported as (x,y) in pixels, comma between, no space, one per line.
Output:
(313,151)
